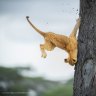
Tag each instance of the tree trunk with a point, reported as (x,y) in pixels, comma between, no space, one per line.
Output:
(85,69)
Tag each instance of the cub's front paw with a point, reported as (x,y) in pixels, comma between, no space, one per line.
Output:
(66,60)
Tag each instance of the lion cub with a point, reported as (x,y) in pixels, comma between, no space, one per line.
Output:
(52,40)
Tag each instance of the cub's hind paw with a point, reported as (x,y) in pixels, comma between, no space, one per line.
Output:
(44,55)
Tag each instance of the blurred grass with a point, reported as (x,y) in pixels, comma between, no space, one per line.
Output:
(62,90)
(12,81)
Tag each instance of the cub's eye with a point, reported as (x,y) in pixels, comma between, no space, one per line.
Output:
(74,60)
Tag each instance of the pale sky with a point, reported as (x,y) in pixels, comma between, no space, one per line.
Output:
(19,43)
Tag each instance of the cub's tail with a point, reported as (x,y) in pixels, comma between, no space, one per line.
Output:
(39,31)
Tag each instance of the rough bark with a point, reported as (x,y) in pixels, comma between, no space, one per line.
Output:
(85,69)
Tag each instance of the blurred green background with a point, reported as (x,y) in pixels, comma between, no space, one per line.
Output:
(13,83)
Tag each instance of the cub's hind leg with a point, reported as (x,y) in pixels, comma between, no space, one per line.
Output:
(49,46)
(44,54)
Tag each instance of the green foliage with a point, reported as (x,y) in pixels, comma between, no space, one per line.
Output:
(15,82)
(9,74)
(62,90)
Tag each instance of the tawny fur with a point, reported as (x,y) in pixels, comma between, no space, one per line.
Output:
(52,40)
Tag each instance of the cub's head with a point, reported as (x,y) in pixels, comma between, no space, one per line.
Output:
(72,62)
